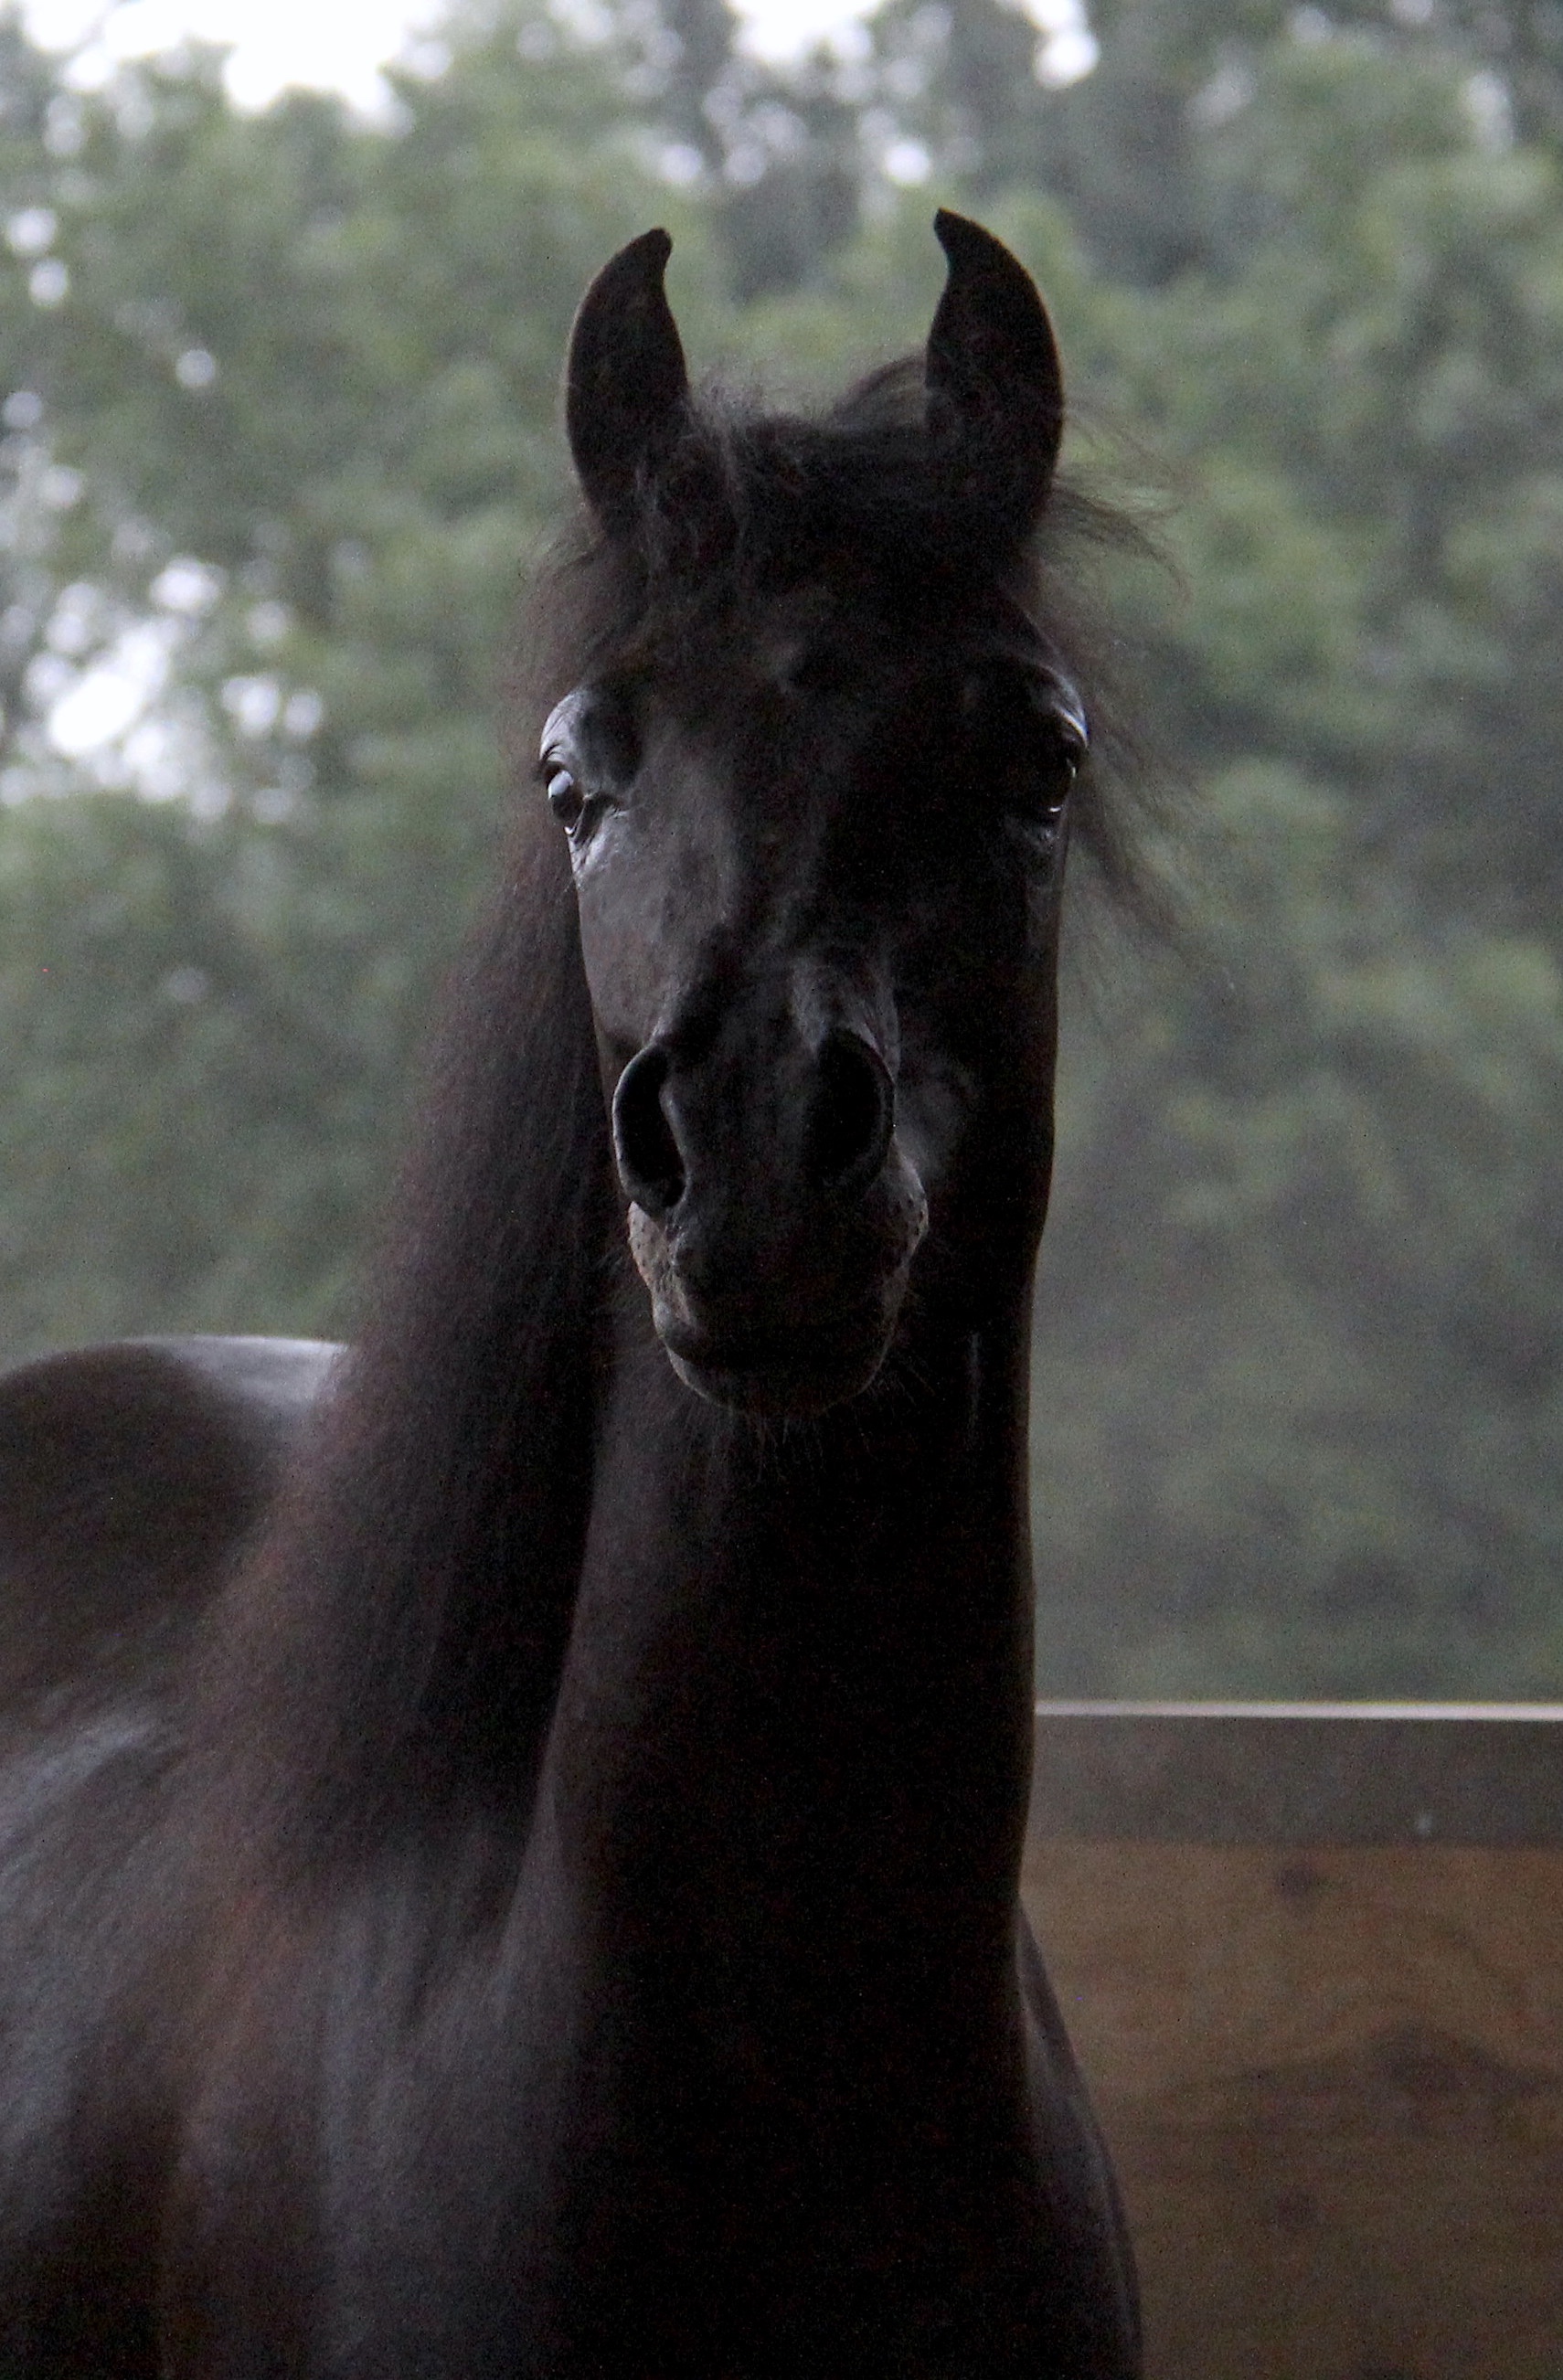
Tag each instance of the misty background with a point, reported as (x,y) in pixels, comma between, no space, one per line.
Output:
(279,400)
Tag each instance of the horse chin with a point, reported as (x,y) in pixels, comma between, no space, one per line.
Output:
(793,1347)
(786,1382)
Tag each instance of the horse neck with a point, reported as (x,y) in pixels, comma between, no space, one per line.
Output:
(809,1645)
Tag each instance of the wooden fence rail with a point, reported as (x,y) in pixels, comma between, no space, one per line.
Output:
(1312,1957)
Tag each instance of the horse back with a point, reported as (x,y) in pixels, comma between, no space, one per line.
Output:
(131,1475)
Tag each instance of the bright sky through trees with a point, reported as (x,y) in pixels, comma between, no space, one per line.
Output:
(342,46)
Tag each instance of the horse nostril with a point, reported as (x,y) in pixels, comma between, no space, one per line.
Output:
(853,1114)
(650,1168)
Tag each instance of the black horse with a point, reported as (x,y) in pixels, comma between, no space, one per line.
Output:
(536,1896)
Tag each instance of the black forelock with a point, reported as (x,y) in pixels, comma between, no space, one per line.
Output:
(753,502)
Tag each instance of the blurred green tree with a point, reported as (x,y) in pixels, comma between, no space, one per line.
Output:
(1304,1319)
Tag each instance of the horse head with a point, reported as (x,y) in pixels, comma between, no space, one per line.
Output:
(816,794)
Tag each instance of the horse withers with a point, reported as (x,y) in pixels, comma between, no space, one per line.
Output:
(516,1875)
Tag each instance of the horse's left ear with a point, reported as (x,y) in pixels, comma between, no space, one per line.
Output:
(625,381)
(995,391)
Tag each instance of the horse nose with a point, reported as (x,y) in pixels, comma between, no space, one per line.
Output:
(838,1133)
(852,1115)
(650,1160)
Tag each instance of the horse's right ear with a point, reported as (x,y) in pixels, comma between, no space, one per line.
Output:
(625,382)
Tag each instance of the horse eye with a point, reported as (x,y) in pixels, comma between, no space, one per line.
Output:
(1065,741)
(1042,804)
(1037,791)
(565,798)
(1070,737)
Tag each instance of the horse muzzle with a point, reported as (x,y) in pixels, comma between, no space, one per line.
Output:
(773,1216)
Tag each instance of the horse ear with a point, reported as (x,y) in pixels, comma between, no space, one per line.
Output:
(995,391)
(625,381)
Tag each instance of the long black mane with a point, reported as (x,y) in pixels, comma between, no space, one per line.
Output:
(458,1451)
(457,1446)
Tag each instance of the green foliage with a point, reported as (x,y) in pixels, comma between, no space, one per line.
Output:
(1302,1339)
(280,414)
(1300,1328)
(197,1085)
